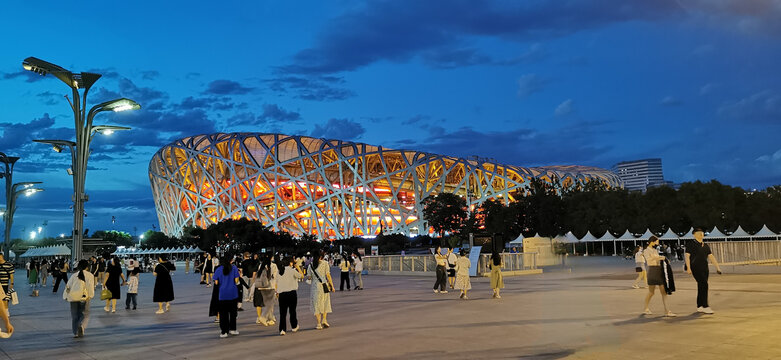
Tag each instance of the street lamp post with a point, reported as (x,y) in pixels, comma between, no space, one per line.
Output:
(13,192)
(84,132)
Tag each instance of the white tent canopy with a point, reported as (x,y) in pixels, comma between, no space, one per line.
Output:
(646,235)
(627,236)
(588,237)
(669,235)
(715,233)
(765,232)
(518,240)
(739,233)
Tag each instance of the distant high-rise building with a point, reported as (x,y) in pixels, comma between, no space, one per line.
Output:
(639,175)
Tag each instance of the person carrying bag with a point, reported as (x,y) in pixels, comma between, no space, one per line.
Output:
(79,290)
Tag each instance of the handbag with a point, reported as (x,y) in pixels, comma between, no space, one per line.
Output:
(105,294)
(326,288)
(14,298)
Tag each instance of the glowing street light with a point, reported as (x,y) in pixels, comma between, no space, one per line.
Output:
(84,132)
(11,193)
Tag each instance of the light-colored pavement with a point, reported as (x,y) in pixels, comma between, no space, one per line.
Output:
(588,313)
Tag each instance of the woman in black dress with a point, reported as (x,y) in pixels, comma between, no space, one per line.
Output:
(208,269)
(164,287)
(113,274)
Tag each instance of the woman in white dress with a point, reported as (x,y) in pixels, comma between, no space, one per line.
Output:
(462,274)
(319,300)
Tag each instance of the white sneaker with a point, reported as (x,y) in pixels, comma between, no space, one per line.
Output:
(282,332)
(444,291)
(222,336)
(699,309)
(635,286)
(707,310)
(436,291)
(295,329)
(234,332)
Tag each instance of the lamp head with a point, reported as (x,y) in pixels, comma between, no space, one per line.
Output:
(119,105)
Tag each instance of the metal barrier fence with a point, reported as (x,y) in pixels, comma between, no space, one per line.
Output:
(426,263)
(746,252)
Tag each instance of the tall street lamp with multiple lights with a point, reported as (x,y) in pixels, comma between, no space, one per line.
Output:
(84,132)
(12,191)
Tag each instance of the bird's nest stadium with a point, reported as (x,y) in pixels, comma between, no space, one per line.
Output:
(327,188)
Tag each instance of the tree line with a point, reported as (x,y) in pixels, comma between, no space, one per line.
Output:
(548,209)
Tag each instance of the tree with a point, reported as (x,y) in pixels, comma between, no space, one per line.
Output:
(445,212)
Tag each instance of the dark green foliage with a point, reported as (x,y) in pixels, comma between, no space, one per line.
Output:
(445,212)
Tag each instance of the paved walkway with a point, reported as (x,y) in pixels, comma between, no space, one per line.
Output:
(589,312)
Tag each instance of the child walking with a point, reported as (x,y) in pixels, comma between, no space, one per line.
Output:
(132,289)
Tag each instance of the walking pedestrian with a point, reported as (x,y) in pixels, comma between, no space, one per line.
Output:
(79,290)
(113,275)
(44,272)
(9,329)
(462,274)
(101,277)
(322,285)
(441,261)
(248,272)
(226,276)
(697,255)
(655,277)
(32,277)
(6,279)
(357,274)
(57,266)
(344,277)
(639,267)
(451,266)
(497,279)
(288,275)
(132,289)
(187,265)
(164,286)
(208,270)
(265,284)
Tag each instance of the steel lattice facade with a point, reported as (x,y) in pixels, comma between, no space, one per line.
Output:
(327,188)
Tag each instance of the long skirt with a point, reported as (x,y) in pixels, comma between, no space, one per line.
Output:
(269,301)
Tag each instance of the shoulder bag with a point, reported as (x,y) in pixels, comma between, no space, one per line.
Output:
(326,288)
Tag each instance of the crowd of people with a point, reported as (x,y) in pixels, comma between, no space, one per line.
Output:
(270,280)
(267,280)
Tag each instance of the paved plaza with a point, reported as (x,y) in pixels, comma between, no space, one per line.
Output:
(588,312)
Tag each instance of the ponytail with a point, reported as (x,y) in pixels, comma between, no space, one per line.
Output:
(83,265)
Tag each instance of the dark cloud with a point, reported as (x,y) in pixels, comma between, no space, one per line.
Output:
(316,88)
(27,76)
(209,102)
(416,119)
(150,75)
(572,144)
(107,73)
(535,53)
(226,87)
(245,118)
(400,30)
(342,129)
(273,112)
(142,95)
(764,106)
(50,98)
(16,135)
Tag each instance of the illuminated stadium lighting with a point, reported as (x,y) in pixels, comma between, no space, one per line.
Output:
(327,188)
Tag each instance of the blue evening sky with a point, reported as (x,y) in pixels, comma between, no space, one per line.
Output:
(694,82)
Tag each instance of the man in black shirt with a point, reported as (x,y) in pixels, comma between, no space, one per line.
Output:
(248,270)
(697,255)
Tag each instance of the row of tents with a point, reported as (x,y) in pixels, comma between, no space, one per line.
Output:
(739,234)
(47,252)
(122,251)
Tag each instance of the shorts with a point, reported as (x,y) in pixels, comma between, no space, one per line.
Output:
(638,269)
(451,272)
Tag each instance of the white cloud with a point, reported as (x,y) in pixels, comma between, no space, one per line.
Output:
(565,108)
(529,84)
